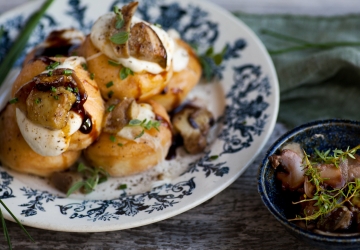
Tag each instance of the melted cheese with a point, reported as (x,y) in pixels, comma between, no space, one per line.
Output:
(99,37)
(44,141)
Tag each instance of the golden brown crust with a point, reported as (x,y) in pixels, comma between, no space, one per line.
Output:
(181,83)
(125,157)
(94,104)
(16,154)
(140,86)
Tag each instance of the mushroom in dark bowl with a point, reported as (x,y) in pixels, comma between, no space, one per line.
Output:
(316,198)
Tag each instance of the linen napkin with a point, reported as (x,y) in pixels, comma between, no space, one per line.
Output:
(314,84)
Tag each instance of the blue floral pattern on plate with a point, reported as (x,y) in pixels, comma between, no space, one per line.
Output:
(250,103)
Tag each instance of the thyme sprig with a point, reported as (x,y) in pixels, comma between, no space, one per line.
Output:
(210,58)
(327,200)
(145,124)
(303,45)
(337,156)
(92,177)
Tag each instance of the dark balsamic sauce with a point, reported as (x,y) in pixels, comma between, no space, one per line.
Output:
(57,45)
(44,83)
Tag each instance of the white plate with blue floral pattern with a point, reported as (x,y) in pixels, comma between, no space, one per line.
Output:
(244,100)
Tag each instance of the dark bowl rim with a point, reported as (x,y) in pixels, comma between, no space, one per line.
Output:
(264,196)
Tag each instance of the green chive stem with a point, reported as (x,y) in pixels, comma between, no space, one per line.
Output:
(6,232)
(17,221)
(20,43)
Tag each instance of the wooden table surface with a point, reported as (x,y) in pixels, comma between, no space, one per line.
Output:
(234,219)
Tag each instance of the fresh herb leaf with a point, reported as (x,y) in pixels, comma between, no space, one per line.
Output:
(92,76)
(134,122)
(92,177)
(209,60)
(112,138)
(52,89)
(116,10)
(213,157)
(14,100)
(109,84)
(119,18)
(84,65)
(120,144)
(81,167)
(120,37)
(125,72)
(122,187)
(38,100)
(112,63)
(50,73)
(147,124)
(110,108)
(139,135)
(76,186)
(56,97)
(53,65)
(119,23)
(69,89)
(76,90)
(68,72)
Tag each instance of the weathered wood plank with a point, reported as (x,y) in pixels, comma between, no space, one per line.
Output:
(234,219)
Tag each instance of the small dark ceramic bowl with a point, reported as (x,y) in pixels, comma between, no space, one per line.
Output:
(323,135)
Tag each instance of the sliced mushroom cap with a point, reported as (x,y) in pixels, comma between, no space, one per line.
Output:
(143,42)
(63,181)
(193,124)
(145,45)
(292,176)
(339,219)
(119,117)
(45,110)
(331,175)
(47,100)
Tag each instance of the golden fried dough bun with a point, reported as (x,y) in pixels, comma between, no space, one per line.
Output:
(140,85)
(128,56)
(61,103)
(64,42)
(131,149)
(182,82)
(16,154)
